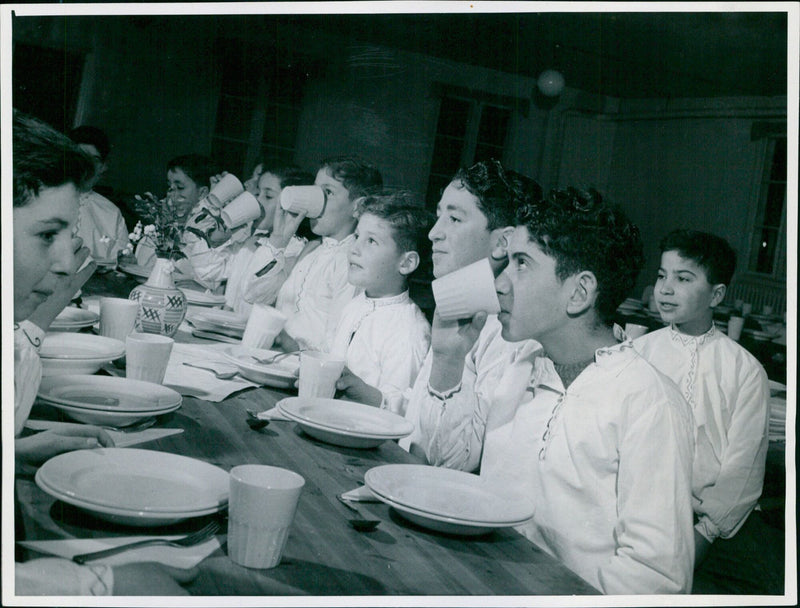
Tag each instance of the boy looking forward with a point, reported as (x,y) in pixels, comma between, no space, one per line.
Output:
(727,389)
(595,437)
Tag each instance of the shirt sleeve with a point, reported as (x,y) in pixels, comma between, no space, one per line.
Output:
(209,265)
(57,576)
(654,534)
(265,288)
(400,363)
(27,371)
(724,506)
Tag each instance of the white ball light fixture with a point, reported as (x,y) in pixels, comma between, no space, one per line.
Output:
(550,83)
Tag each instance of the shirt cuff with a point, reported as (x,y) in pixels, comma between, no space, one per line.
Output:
(34,333)
(443,395)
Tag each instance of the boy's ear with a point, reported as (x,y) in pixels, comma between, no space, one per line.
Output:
(408,262)
(718,294)
(500,238)
(584,293)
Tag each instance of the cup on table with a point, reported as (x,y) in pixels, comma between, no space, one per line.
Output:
(767,310)
(318,374)
(261,508)
(466,291)
(147,356)
(224,190)
(747,308)
(735,325)
(263,326)
(117,317)
(634,330)
(296,199)
(244,208)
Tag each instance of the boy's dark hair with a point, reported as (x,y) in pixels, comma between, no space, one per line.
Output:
(581,232)
(709,251)
(500,192)
(45,158)
(409,219)
(197,167)
(93,136)
(358,176)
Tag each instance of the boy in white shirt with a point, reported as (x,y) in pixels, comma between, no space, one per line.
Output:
(595,437)
(449,401)
(312,289)
(728,391)
(240,264)
(383,335)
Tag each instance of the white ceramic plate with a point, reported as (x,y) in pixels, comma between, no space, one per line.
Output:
(223,321)
(73,353)
(759,336)
(281,374)
(134,486)
(73,319)
(447,495)
(135,270)
(345,423)
(200,298)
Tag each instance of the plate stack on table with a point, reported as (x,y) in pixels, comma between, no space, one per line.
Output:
(282,373)
(195,297)
(777,411)
(447,500)
(345,423)
(74,319)
(107,400)
(135,487)
(77,353)
(220,324)
(631,306)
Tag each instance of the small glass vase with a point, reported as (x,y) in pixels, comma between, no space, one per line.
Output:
(162,306)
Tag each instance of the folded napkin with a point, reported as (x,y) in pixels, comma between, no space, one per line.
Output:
(178,557)
(201,383)
(272,414)
(122,439)
(360,494)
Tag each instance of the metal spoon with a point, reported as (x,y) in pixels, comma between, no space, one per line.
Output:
(360,523)
(273,358)
(219,375)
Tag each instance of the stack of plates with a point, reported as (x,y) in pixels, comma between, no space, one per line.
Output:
(108,400)
(281,374)
(223,322)
(777,419)
(200,298)
(447,500)
(759,336)
(140,272)
(135,487)
(72,353)
(74,319)
(345,423)
(630,305)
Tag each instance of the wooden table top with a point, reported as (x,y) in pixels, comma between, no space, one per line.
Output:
(324,555)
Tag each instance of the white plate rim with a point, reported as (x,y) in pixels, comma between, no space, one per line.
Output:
(117,345)
(90,318)
(198,298)
(91,379)
(235,320)
(288,402)
(228,353)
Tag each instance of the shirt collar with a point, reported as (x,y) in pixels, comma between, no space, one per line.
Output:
(687,340)
(388,300)
(330,242)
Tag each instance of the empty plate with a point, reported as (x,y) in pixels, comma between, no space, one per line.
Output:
(200,298)
(74,353)
(226,322)
(281,374)
(345,423)
(74,319)
(135,487)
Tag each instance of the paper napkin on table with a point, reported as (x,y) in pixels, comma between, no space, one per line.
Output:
(122,439)
(360,494)
(179,557)
(201,383)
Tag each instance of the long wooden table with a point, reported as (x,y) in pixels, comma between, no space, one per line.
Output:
(324,554)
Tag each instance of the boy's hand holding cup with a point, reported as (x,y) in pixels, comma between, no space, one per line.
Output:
(263,326)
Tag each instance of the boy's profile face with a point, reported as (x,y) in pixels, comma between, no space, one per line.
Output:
(375,259)
(269,194)
(184,191)
(337,219)
(99,164)
(533,301)
(461,233)
(683,294)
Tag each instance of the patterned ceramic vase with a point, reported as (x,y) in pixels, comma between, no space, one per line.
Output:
(162,306)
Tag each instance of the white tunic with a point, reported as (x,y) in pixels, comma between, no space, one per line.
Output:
(315,293)
(57,576)
(101,226)
(449,432)
(729,393)
(606,464)
(383,341)
(27,370)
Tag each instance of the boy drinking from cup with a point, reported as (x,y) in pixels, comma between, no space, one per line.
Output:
(595,437)
(383,336)
(729,393)
(449,401)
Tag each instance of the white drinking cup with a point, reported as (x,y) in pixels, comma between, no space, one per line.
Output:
(735,325)
(244,208)
(225,190)
(263,326)
(117,317)
(147,356)
(261,508)
(634,330)
(466,291)
(318,374)
(747,308)
(297,199)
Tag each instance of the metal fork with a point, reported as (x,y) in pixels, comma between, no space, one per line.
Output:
(195,538)
(273,358)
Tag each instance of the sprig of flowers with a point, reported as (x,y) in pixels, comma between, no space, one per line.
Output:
(161,226)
